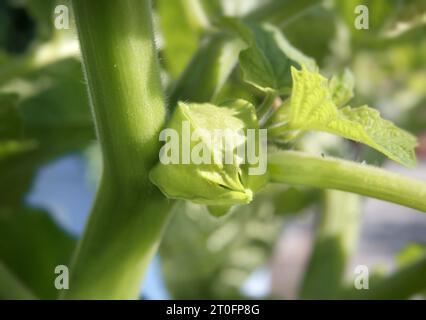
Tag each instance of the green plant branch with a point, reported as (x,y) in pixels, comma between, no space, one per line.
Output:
(129,215)
(336,235)
(330,173)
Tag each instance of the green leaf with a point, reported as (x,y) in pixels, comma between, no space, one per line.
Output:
(11,287)
(267,61)
(11,128)
(312,108)
(31,246)
(10,119)
(42,12)
(208,70)
(335,239)
(181,33)
(342,88)
(219,211)
(410,253)
(56,120)
(318,24)
(368,127)
(220,254)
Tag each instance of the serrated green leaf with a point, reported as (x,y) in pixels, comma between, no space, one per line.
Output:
(381,134)
(269,56)
(312,108)
(342,87)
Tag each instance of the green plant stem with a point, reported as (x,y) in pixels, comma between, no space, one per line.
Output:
(129,215)
(330,173)
(264,110)
(335,240)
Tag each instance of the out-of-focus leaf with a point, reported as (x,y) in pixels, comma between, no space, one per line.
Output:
(10,119)
(410,253)
(11,128)
(335,241)
(220,254)
(42,12)
(56,119)
(379,12)
(212,8)
(267,61)
(319,25)
(207,71)
(281,11)
(387,19)
(11,288)
(31,246)
(404,283)
(4,21)
(180,26)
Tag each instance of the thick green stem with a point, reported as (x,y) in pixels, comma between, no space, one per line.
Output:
(331,173)
(126,222)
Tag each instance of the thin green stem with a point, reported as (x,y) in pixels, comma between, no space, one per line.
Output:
(129,215)
(331,173)
(265,109)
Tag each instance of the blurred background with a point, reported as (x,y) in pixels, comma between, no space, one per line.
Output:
(50,162)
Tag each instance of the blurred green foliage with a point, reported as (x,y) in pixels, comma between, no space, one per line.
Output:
(44,115)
